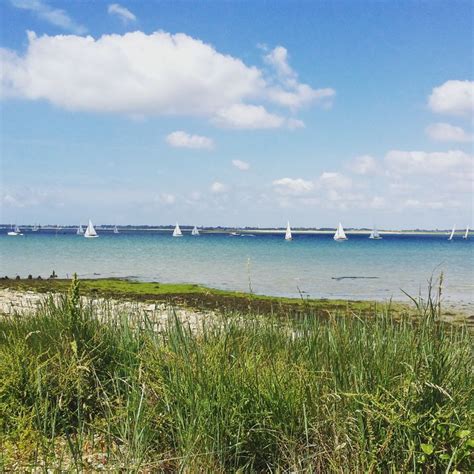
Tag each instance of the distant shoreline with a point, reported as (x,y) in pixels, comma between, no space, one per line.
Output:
(247,230)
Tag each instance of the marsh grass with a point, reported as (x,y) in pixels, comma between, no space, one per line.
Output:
(246,393)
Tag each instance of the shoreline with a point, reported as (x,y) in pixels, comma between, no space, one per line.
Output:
(247,230)
(199,298)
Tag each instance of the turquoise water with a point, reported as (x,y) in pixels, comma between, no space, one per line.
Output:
(314,265)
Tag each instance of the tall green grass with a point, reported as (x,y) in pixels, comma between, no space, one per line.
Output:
(243,393)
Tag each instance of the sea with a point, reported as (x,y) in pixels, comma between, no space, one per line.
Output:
(309,266)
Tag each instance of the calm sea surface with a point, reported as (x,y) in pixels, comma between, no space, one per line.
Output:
(312,264)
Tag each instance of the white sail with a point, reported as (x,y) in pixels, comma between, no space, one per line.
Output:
(375,234)
(90,231)
(35,228)
(195,231)
(80,230)
(15,230)
(115,230)
(177,231)
(465,236)
(452,233)
(340,234)
(288,235)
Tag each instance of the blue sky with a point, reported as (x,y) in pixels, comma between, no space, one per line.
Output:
(237,113)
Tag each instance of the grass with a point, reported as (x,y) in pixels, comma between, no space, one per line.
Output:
(198,296)
(241,394)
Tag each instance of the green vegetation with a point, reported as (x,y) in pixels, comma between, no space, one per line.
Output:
(200,297)
(240,393)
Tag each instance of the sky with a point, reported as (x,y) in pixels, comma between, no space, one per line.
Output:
(237,113)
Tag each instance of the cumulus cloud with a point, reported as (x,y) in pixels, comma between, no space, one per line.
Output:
(292,186)
(334,180)
(241,165)
(243,116)
(422,162)
(364,165)
(180,139)
(289,92)
(445,132)
(453,98)
(218,188)
(300,95)
(278,58)
(123,13)
(141,75)
(54,16)
(405,180)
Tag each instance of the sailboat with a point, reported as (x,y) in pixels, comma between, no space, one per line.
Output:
(375,234)
(80,230)
(340,234)
(90,232)
(15,231)
(195,231)
(115,230)
(35,228)
(452,233)
(177,231)
(466,235)
(288,235)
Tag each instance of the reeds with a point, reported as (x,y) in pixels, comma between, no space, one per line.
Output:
(245,393)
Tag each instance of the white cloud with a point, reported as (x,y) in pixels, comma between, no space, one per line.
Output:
(180,139)
(333,180)
(293,124)
(428,204)
(54,16)
(123,13)
(278,58)
(446,132)
(218,188)
(131,74)
(243,116)
(405,180)
(300,95)
(290,93)
(422,162)
(25,197)
(453,98)
(241,165)
(292,186)
(141,75)
(364,165)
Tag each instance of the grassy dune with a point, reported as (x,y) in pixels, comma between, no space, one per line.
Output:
(246,393)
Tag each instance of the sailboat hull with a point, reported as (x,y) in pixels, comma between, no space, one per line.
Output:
(90,236)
